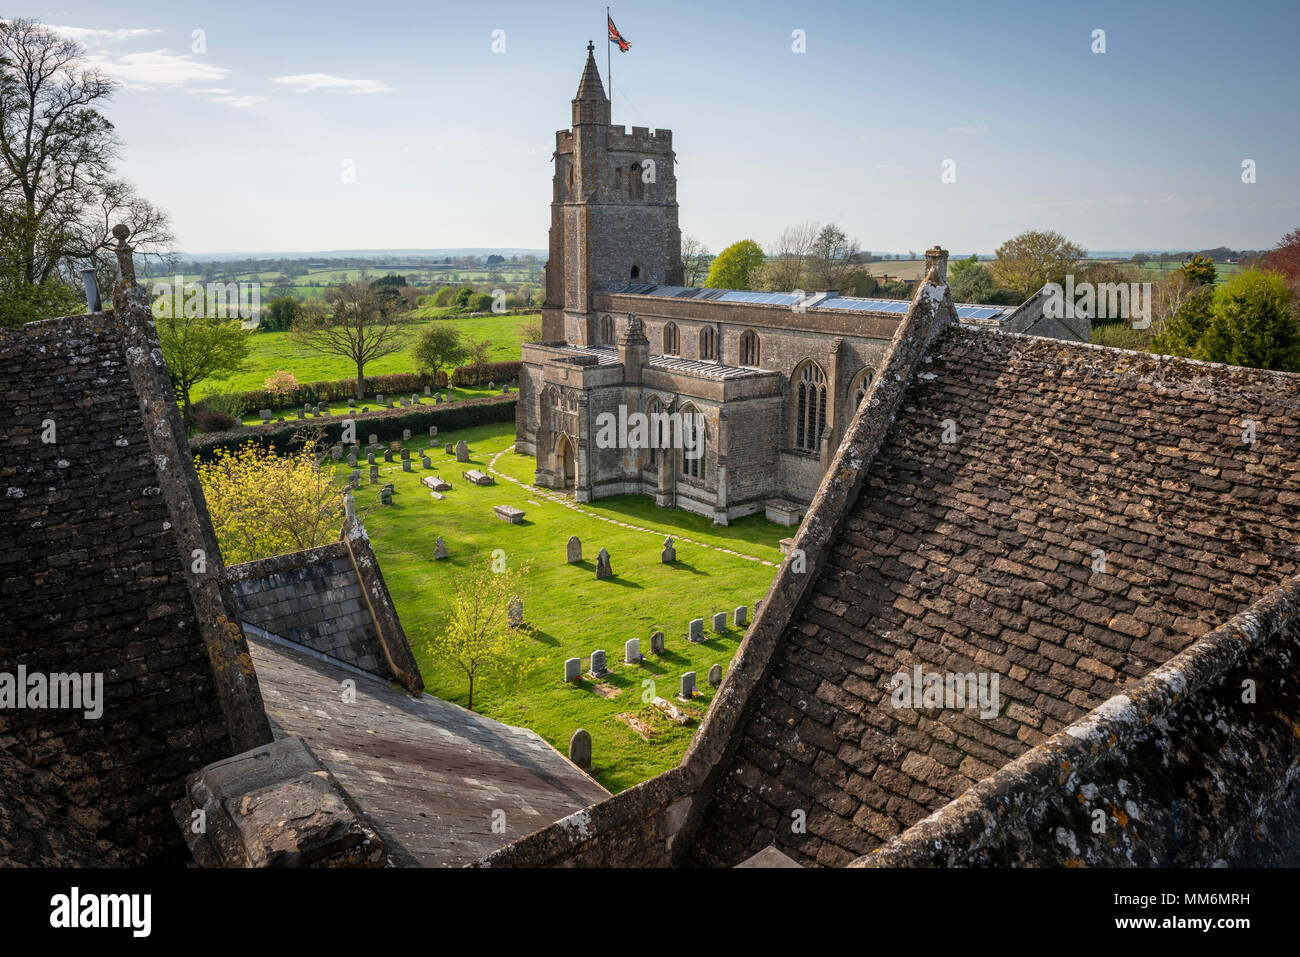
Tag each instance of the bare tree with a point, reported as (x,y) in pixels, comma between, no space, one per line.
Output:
(695,260)
(360,326)
(57,153)
(833,260)
(787,258)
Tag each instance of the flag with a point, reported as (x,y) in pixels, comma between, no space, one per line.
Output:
(616,37)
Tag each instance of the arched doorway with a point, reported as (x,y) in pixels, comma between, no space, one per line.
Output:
(566,465)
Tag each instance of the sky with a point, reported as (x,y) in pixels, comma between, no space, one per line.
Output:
(338,125)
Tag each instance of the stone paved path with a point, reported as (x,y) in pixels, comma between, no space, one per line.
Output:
(554,498)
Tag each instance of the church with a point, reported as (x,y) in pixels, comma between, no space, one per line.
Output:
(774,378)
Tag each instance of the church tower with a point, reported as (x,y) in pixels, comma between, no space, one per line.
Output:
(613,212)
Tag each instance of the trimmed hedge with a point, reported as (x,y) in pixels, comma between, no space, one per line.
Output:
(337,390)
(496,372)
(387,424)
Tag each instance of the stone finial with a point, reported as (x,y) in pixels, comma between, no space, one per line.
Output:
(126,287)
(349,507)
(937,258)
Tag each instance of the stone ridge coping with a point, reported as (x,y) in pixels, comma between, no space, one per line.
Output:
(264,567)
(1176,371)
(955,833)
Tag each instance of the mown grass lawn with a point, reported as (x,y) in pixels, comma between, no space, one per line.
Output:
(568,611)
(273,351)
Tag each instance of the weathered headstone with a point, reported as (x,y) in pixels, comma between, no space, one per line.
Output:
(406,435)
(424,461)
(509,513)
(450,448)
(426,390)
(380,398)
(439,549)
(632,651)
(462,451)
(352,457)
(657,643)
(437,400)
(336,453)
(386,495)
(688,685)
(404,402)
(572,670)
(573,551)
(354,477)
(738,617)
(352,403)
(388,455)
(715,675)
(515,611)
(374,473)
(580,749)
(415,399)
(696,632)
(505,389)
(491,386)
(603,569)
(370,456)
(374,439)
(406,463)
(302,414)
(433,432)
(265,414)
(720,621)
(669,554)
(598,668)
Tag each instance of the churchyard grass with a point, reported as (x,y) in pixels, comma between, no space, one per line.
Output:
(568,612)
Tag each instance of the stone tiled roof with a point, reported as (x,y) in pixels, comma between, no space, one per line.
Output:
(977,556)
(426,773)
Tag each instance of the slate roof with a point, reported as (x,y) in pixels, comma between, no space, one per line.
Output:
(978,556)
(427,774)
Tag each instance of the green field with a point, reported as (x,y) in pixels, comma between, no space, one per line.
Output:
(273,351)
(568,610)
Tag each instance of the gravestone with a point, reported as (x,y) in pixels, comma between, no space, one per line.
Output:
(306,408)
(437,400)
(386,495)
(598,668)
(302,414)
(696,632)
(738,617)
(380,399)
(424,461)
(572,670)
(406,463)
(406,455)
(715,675)
(365,408)
(354,477)
(374,473)
(573,551)
(426,390)
(388,455)
(370,456)
(632,651)
(603,569)
(720,621)
(415,399)
(580,749)
(265,414)
(374,439)
(669,554)
(491,386)
(688,685)
(480,478)
(462,451)
(436,483)
(433,432)
(439,549)
(451,449)
(404,402)
(505,389)
(657,643)
(508,513)
(352,457)
(352,403)
(336,453)
(515,611)
(406,435)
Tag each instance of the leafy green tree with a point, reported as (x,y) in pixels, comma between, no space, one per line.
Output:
(1200,271)
(360,326)
(959,268)
(734,265)
(1251,324)
(1029,261)
(280,313)
(199,349)
(443,295)
(439,347)
(462,296)
(481,302)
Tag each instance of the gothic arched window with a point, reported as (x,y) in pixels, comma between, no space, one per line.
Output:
(858,391)
(694,443)
(809,406)
(671,347)
(749,348)
(708,343)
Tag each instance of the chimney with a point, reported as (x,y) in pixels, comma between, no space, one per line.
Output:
(936,257)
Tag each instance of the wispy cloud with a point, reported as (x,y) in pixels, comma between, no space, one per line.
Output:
(968,130)
(158,69)
(308,82)
(89,34)
(244,100)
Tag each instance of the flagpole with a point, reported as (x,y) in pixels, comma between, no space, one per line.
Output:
(609,66)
